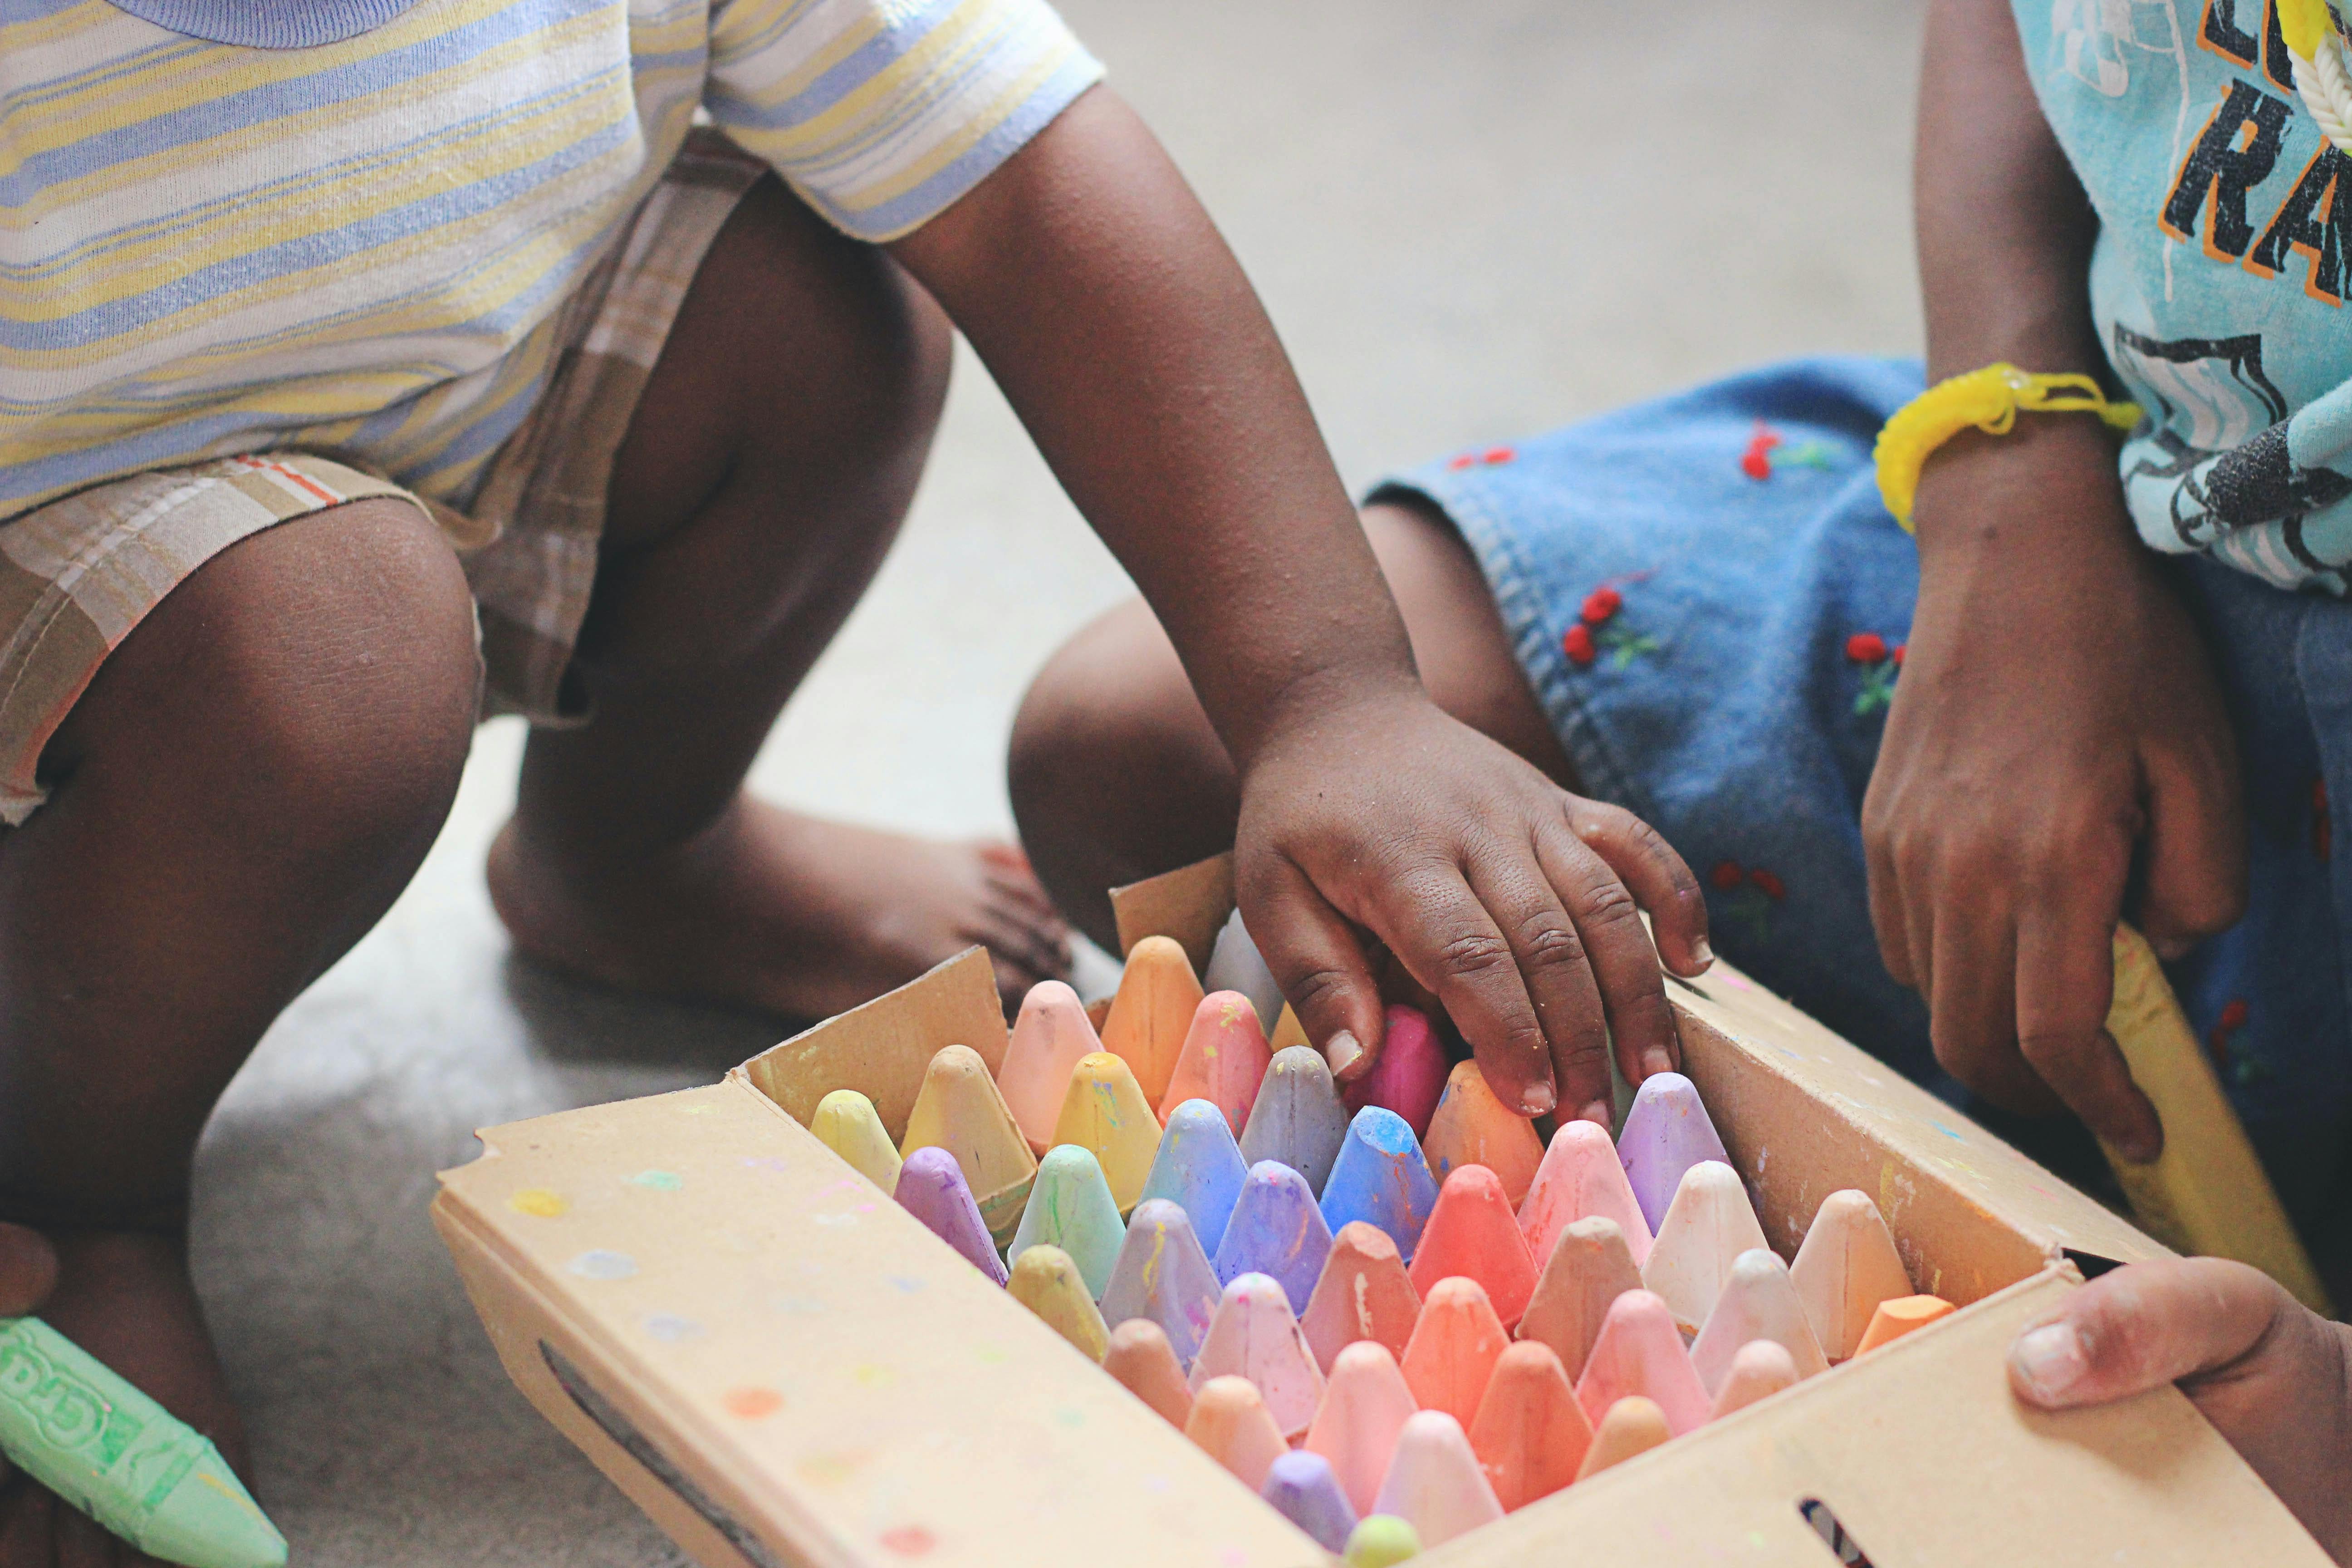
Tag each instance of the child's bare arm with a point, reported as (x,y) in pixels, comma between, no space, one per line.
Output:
(2274,1378)
(1107,306)
(2057,713)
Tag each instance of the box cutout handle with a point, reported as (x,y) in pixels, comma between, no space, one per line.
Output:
(2090,1264)
(1842,1547)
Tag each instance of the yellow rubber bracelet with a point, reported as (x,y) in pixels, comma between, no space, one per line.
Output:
(1988,399)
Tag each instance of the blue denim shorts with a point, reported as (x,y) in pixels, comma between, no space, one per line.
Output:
(1710,603)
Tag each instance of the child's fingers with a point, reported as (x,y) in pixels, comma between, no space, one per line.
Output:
(2065,982)
(1624,963)
(1972,1017)
(1659,880)
(2144,1326)
(28,1270)
(1442,933)
(2196,851)
(1553,950)
(1314,953)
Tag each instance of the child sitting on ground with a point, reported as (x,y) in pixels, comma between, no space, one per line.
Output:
(1924,782)
(369,362)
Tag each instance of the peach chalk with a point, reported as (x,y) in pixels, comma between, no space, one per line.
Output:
(1632,1425)
(1409,1077)
(1048,1283)
(845,1123)
(1453,1349)
(1230,1424)
(1580,1177)
(1365,1404)
(1641,1352)
(1757,1303)
(1434,1483)
(1761,1369)
(1903,1315)
(1254,1336)
(1152,1013)
(957,1109)
(1708,1227)
(1363,1293)
(1847,1266)
(1530,1433)
(1471,1127)
(1049,1039)
(1473,1233)
(1590,1267)
(1104,1111)
(1222,1061)
(1145,1364)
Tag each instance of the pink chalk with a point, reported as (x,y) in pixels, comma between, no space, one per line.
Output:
(1411,1074)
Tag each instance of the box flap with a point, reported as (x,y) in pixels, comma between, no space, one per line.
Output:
(1190,904)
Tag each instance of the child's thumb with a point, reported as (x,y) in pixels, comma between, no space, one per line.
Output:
(2142,1327)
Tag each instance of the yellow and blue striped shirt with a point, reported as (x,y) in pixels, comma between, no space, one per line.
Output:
(211,247)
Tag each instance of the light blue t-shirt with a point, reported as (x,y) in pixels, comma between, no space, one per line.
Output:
(2218,282)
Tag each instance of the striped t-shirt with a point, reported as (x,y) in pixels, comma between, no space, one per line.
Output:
(361,244)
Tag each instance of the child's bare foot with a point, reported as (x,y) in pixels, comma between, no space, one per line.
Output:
(126,1298)
(779,911)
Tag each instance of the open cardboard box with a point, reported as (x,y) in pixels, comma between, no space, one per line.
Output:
(782,1367)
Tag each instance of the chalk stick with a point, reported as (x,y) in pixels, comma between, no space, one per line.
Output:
(1410,1075)
(1710,1223)
(1303,1491)
(1104,1112)
(1276,1229)
(1847,1266)
(1530,1433)
(1640,1352)
(1580,1177)
(1048,1039)
(1471,1127)
(1633,1425)
(1381,1540)
(1365,1404)
(957,1109)
(1253,1336)
(1363,1293)
(1151,1012)
(1198,1168)
(1235,964)
(1761,1369)
(1590,1267)
(1757,1303)
(1381,1179)
(1230,1424)
(1473,1233)
(1434,1483)
(1298,1119)
(1048,1283)
(931,1188)
(1070,1207)
(1161,1274)
(1222,1061)
(1288,1031)
(1666,1133)
(1144,1362)
(1903,1315)
(1453,1349)
(846,1123)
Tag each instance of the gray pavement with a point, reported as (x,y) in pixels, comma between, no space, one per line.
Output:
(1471,219)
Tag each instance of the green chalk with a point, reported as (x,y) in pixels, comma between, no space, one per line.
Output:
(81,1431)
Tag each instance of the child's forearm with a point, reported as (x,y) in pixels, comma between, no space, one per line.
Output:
(1109,310)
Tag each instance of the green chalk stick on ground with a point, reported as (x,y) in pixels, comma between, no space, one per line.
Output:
(81,1431)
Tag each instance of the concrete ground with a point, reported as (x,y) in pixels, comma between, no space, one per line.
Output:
(1471,219)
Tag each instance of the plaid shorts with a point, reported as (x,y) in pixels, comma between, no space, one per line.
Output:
(78,575)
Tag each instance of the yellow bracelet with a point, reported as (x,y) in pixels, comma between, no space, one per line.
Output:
(1989,399)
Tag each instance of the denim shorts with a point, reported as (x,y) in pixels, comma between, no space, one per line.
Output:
(1711,602)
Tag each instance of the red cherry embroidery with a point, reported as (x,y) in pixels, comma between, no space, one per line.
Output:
(1466,461)
(1768,884)
(1494,454)
(1757,461)
(1726,875)
(1895,653)
(1865,647)
(1579,645)
(1602,603)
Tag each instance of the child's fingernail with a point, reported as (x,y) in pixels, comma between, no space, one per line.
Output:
(1702,952)
(2049,1361)
(1600,1113)
(1538,1098)
(1655,1061)
(1341,1050)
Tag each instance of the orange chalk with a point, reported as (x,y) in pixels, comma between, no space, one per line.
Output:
(1471,1127)
(1152,1012)
(1530,1433)
(1222,1061)
(1473,1233)
(1230,1424)
(1590,1267)
(1901,1316)
(1145,1364)
(1453,1349)
(1289,1031)
(1761,1369)
(1632,1425)
(1103,1112)
(1641,1352)
(1363,1293)
(1365,1404)
(959,1110)
(1580,1178)
(1049,1038)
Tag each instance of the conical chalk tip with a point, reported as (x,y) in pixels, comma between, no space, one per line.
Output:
(1298,1119)
(1198,1166)
(1580,1177)
(1255,1335)
(1708,1227)
(957,1108)
(209,1519)
(1230,1423)
(1151,1011)
(1105,1109)
(1847,1265)
(931,1188)
(1410,1073)
(1454,1347)
(1471,1127)
(1640,1350)
(1590,1267)
(1666,1131)
(1071,1206)
(1223,1058)
(1304,1491)
(1046,1280)
(1473,1232)
(846,1123)
(1381,1540)
(1633,1425)
(1530,1432)
(1758,1302)
(1363,1293)
(1381,1176)
(1145,1364)
(1435,1480)
(1904,1315)
(1761,1369)
(1048,1039)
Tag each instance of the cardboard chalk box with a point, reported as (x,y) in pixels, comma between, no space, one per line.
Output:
(782,1367)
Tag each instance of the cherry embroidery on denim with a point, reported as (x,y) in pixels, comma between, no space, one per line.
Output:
(1490,458)
(2237,1066)
(1880,665)
(1758,463)
(1750,891)
(1599,629)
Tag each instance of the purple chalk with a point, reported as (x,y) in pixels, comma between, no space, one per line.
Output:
(1409,1077)
(1666,1133)
(1304,1491)
(1276,1230)
(931,1188)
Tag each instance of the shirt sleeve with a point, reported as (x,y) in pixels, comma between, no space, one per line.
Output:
(882,112)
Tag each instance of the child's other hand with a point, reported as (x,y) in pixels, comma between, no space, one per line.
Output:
(28,1269)
(2057,715)
(2273,1378)
(1517,903)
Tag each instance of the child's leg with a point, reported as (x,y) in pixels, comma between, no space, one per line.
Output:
(248,784)
(765,474)
(1116,775)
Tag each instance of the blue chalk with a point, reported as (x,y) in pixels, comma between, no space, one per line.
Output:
(1298,1119)
(1198,1169)
(1275,1230)
(1380,1177)
(1070,1207)
(1163,1275)
(1303,1489)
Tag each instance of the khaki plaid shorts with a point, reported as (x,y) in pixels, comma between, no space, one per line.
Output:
(78,575)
